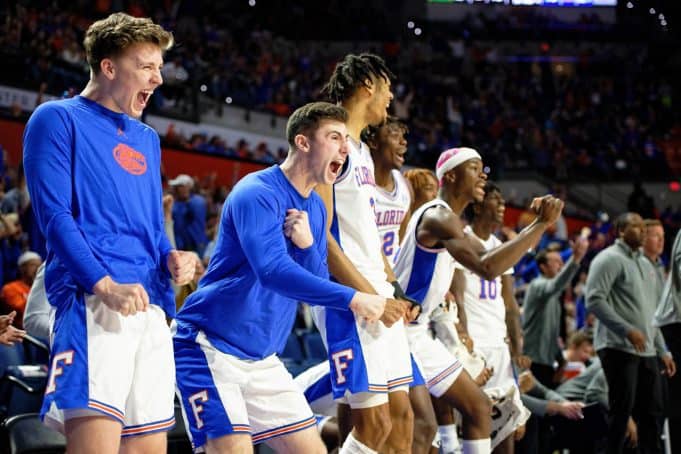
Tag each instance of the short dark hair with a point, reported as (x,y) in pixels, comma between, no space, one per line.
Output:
(110,36)
(490,187)
(306,119)
(370,132)
(623,221)
(353,72)
(542,257)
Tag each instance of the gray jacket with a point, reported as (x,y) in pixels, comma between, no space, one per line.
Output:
(541,314)
(621,293)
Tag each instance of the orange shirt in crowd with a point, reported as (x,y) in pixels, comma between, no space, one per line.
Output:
(14,295)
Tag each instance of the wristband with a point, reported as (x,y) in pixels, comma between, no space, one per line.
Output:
(400,295)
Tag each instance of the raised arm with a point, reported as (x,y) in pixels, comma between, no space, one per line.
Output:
(442,227)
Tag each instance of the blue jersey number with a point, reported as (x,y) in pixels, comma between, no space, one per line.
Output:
(488,289)
(388,241)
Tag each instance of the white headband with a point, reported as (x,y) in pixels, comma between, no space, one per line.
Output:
(451,158)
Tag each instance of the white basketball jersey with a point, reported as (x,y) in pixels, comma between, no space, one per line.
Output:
(484,303)
(391,208)
(424,274)
(354,218)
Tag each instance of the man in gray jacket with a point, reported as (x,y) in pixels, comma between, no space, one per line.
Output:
(542,309)
(621,292)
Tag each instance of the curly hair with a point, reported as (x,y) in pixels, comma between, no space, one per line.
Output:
(353,72)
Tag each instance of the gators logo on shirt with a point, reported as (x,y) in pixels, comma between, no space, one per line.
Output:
(130,159)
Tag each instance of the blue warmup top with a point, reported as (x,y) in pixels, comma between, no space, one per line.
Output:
(246,301)
(95,185)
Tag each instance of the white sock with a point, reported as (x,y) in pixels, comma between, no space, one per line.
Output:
(354,446)
(482,446)
(437,443)
(449,440)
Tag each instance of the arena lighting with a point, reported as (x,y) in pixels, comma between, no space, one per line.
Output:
(674,186)
(410,25)
(228,100)
(663,23)
(630,5)
(203,88)
(652,11)
(417,31)
(661,16)
(251,2)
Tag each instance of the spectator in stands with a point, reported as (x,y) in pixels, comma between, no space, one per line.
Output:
(189,216)
(653,245)
(542,310)
(15,293)
(668,318)
(16,200)
(547,408)
(578,355)
(38,312)
(619,294)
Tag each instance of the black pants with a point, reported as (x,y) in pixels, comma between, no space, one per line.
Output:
(634,384)
(672,337)
(544,374)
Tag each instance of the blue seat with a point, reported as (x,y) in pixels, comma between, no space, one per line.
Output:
(314,346)
(26,434)
(293,351)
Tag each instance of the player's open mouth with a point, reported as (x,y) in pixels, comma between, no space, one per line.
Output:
(143,97)
(336,166)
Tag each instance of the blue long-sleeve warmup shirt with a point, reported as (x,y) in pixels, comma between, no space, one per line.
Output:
(95,185)
(246,302)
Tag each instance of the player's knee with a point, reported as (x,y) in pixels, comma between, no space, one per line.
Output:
(374,426)
(424,432)
(478,412)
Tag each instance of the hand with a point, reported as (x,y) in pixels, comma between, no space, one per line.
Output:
(297,228)
(12,335)
(522,361)
(6,321)
(526,381)
(519,433)
(369,307)
(484,376)
(571,410)
(128,299)
(412,312)
(394,310)
(182,266)
(579,247)
(638,339)
(548,208)
(631,434)
(466,341)
(669,366)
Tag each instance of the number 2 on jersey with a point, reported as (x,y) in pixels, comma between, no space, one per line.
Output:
(388,240)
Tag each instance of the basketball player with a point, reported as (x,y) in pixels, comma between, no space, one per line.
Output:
(373,383)
(487,309)
(425,268)
(92,170)
(388,145)
(270,253)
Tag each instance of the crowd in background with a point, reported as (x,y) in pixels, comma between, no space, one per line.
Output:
(569,111)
